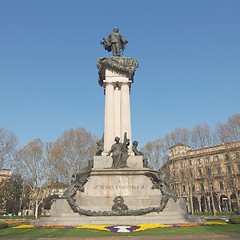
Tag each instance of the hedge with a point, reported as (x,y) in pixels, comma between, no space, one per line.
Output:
(235,220)
(3,225)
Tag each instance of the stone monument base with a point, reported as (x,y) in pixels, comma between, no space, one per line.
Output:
(173,213)
(118,196)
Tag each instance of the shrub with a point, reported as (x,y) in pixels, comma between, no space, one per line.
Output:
(226,214)
(235,220)
(3,225)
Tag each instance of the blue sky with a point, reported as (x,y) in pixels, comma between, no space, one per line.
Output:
(188,53)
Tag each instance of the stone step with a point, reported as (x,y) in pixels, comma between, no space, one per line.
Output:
(75,220)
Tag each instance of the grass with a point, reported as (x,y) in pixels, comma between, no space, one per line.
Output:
(209,214)
(20,217)
(225,230)
(229,229)
(16,217)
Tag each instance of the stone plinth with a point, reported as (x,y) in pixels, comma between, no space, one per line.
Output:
(173,213)
(101,162)
(105,184)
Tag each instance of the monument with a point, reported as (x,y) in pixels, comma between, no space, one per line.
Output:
(117,187)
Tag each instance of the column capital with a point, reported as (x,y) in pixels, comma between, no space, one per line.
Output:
(119,66)
(117,84)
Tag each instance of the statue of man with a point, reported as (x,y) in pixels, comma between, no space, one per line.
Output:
(139,153)
(100,146)
(116,151)
(115,43)
(119,153)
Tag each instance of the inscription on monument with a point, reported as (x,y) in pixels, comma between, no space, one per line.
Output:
(97,187)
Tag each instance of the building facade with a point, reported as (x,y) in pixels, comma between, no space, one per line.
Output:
(209,178)
(4,174)
(57,189)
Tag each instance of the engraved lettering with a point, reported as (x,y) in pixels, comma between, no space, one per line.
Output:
(133,187)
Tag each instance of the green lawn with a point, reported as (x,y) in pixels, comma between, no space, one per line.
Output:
(16,217)
(229,229)
(209,214)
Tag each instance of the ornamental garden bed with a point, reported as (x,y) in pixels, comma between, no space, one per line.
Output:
(27,230)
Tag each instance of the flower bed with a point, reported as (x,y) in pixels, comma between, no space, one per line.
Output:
(24,226)
(10,222)
(116,228)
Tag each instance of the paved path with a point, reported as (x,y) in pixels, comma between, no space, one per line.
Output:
(192,237)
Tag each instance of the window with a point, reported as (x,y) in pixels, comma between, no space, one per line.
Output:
(202,186)
(209,171)
(183,188)
(193,188)
(216,158)
(182,175)
(219,170)
(226,157)
(198,161)
(239,167)
(229,170)
(221,186)
(237,154)
(200,172)
(190,162)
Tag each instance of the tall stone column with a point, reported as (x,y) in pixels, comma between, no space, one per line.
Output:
(109,113)
(116,76)
(125,112)
(117,112)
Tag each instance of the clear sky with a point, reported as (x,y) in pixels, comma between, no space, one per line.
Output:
(188,53)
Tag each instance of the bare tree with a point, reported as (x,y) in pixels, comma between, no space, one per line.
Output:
(158,151)
(155,152)
(179,135)
(201,136)
(209,182)
(11,193)
(35,171)
(230,131)
(71,150)
(8,142)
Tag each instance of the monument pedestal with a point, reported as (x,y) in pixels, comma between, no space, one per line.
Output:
(139,200)
(173,213)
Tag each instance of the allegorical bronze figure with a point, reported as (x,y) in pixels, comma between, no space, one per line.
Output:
(119,152)
(138,153)
(115,43)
